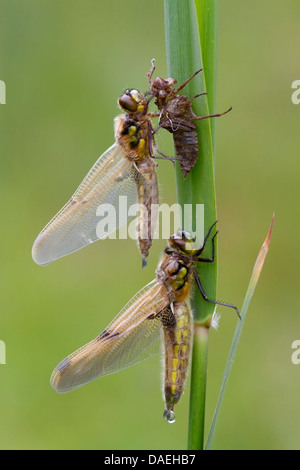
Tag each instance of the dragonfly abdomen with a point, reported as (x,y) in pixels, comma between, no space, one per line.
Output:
(177,351)
(186,146)
(148,200)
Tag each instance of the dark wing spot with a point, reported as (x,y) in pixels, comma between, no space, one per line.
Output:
(104,334)
(63,365)
(115,334)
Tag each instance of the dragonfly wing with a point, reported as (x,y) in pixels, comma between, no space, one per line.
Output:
(75,225)
(134,335)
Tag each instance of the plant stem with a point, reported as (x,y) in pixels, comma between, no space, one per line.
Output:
(207,13)
(237,335)
(198,388)
(184,57)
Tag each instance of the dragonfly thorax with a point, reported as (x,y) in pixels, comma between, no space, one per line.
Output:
(175,273)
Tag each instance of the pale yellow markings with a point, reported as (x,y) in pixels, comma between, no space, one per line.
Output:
(178,337)
(182,272)
(142,144)
(185,334)
(132,130)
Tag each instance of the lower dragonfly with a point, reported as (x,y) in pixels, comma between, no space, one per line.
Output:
(161,310)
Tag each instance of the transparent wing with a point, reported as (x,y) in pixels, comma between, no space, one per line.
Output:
(134,335)
(74,227)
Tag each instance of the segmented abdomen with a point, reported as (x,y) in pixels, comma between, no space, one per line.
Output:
(185,138)
(177,342)
(148,200)
(186,146)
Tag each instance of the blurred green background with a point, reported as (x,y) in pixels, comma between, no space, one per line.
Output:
(64,64)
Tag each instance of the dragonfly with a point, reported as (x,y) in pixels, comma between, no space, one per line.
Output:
(125,169)
(176,115)
(157,319)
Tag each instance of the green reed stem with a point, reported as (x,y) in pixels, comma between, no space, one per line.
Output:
(207,14)
(198,388)
(185,23)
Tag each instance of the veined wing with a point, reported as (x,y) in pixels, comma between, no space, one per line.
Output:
(74,226)
(134,335)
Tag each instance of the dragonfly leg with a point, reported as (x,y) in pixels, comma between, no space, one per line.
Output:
(194,97)
(205,241)
(149,74)
(176,90)
(198,118)
(217,302)
(212,258)
(162,155)
(165,157)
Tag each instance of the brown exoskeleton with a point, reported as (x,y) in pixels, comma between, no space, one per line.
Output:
(176,115)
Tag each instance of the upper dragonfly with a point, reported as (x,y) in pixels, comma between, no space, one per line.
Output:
(125,169)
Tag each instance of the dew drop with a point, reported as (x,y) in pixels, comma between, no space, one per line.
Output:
(170,416)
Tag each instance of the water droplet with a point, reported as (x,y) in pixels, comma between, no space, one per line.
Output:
(170,416)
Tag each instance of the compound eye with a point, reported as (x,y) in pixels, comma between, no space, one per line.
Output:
(127,101)
(162,94)
(177,241)
(187,236)
(170,81)
(182,241)
(159,83)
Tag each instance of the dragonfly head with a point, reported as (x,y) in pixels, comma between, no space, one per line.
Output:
(161,88)
(133,101)
(183,242)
